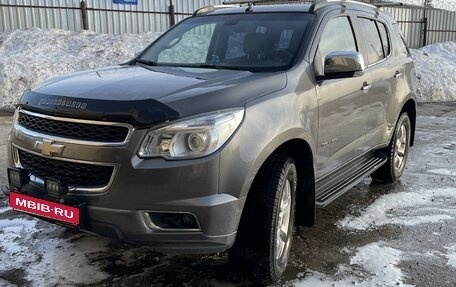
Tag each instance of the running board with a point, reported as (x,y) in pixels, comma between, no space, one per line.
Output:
(336,184)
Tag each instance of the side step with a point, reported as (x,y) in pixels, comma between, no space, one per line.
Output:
(336,184)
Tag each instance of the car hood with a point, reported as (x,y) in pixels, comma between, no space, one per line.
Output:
(148,95)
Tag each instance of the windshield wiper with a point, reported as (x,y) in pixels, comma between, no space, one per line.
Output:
(145,62)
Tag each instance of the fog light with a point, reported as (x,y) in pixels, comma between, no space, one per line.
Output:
(173,221)
(18,177)
(55,188)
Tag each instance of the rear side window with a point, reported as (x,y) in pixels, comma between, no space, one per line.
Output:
(372,40)
(403,46)
(385,39)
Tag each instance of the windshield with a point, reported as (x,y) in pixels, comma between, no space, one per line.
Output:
(240,41)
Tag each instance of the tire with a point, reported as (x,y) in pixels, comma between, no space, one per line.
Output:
(397,152)
(258,253)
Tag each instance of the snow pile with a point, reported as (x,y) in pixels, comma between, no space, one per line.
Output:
(28,57)
(405,208)
(436,72)
(373,265)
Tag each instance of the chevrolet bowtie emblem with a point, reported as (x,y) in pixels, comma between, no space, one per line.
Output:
(47,147)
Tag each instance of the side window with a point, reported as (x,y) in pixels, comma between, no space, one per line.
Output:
(285,39)
(385,40)
(337,36)
(372,40)
(403,49)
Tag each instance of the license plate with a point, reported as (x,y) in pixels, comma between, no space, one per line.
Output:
(48,209)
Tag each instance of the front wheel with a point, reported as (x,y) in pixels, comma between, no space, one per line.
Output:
(397,152)
(265,233)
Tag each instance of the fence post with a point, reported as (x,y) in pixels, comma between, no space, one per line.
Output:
(85,19)
(425,28)
(172,14)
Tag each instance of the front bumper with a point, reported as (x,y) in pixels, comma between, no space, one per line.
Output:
(215,215)
(139,186)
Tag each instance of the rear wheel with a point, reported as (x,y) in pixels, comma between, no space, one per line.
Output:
(265,233)
(397,152)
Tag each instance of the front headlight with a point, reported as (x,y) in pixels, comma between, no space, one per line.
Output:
(193,137)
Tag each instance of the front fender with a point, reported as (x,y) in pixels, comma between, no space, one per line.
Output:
(269,122)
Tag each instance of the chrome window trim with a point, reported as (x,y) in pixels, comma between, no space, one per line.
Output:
(72,190)
(31,133)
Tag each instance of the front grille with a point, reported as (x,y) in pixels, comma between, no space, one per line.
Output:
(71,173)
(74,130)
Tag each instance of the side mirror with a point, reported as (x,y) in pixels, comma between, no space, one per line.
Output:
(343,64)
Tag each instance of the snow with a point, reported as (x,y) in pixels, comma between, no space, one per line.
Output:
(436,70)
(49,260)
(406,209)
(28,57)
(443,171)
(374,264)
(451,255)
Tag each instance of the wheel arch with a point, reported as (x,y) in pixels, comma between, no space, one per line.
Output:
(302,154)
(410,108)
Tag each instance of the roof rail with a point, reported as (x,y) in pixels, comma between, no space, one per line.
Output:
(234,3)
(211,8)
(323,3)
(387,4)
(315,5)
(253,2)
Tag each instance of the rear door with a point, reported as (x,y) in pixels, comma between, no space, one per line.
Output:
(343,103)
(387,73)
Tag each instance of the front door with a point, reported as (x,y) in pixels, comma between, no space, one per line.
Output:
(343,103)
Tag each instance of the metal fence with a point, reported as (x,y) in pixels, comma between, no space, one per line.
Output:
(103,16)
(21,14)
(439,4)
(420,25)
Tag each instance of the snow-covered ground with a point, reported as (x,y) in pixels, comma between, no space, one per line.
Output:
(28,57)
(372,259)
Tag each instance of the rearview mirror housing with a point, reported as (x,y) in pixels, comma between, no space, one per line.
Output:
(343,64)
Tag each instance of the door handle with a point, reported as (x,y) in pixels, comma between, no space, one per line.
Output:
(397,75)
(366,87)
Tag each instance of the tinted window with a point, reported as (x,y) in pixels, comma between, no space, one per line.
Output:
(384,36)
(234,48)
(372,40)
(337,36)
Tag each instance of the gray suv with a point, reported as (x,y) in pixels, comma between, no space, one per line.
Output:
(224,134)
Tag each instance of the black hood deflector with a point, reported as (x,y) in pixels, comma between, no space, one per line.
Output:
(139,113)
